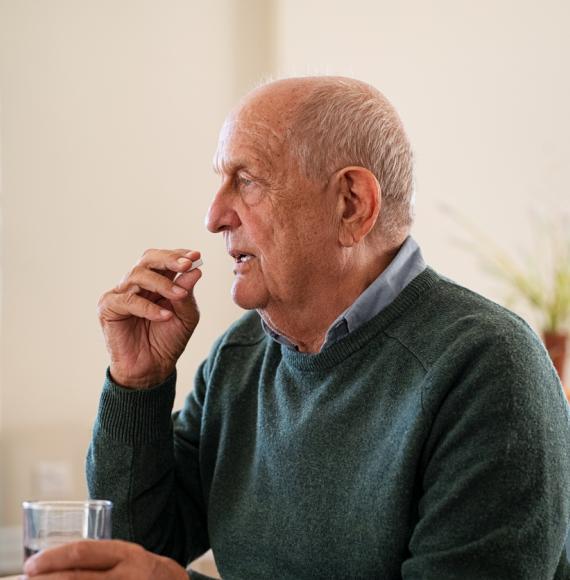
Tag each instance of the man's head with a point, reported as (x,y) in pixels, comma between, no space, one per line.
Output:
(316,181)
(343,122)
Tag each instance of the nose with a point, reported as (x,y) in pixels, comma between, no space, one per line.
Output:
(222,214)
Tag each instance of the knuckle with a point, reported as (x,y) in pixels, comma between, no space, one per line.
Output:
(147,254)
(130,298)
(79,550)
(103,299)
(135,552)
(131,275)
(149,307)
(136,549)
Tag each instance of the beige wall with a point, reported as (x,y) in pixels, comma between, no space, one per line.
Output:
(109,115)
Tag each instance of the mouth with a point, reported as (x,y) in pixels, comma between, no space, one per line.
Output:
(241,257)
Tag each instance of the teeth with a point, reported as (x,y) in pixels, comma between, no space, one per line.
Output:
(243,258)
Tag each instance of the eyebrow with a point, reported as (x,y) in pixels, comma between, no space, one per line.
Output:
(251,163)
(227,167)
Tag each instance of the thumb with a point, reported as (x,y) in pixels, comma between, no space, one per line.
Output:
(187,309)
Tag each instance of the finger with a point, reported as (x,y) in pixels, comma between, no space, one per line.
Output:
(83,555)
(142,278)
(173,260)
(187,280)
(187,309)
(72,575)
(115,307)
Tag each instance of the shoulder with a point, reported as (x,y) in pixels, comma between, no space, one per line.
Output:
(477,356)
(481,362)
(455,320)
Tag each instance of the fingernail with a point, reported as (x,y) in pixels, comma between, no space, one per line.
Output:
(183,261)
(178,290)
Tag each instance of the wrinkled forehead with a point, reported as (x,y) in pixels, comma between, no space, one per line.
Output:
(255,133)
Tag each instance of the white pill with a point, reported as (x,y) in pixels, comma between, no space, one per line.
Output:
(196,264)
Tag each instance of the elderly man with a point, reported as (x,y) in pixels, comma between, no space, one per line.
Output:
(367,418)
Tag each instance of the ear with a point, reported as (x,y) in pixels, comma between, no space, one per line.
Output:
(359,200)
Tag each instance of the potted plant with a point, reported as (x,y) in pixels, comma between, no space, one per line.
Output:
(542,281)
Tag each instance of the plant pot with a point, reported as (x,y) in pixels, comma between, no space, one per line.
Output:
(556,344)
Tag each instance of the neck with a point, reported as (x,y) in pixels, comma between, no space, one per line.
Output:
(303,327)
(306,323)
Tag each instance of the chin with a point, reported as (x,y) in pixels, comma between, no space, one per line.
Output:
(248,296)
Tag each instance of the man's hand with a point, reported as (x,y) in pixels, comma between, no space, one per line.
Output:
(149,317)
(104,560)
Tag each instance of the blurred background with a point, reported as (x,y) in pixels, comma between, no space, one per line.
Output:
(109,114)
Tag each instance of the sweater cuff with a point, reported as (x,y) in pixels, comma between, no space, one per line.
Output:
(136,416)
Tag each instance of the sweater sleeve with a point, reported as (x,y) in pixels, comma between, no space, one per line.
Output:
(135,460)
(495,479)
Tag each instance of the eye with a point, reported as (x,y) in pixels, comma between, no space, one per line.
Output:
(250,188)
(244,180)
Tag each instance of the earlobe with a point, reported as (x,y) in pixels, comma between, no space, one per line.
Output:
(345,237)
(359,204)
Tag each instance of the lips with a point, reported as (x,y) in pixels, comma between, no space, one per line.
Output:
(240,256)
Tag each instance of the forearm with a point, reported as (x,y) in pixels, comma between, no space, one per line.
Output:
(131,462)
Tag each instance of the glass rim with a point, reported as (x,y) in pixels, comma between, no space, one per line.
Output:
(67,504)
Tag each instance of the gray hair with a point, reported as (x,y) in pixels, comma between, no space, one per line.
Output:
(344,122)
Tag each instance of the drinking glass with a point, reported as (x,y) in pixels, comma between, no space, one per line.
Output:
(52,523)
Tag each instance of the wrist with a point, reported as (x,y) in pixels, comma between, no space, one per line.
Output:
(130,381)
(136,416)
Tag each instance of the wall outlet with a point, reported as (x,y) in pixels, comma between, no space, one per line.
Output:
(52,480)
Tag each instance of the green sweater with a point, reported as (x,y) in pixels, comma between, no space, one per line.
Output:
(431,443)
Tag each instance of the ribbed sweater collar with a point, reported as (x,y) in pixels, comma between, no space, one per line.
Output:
(341,350)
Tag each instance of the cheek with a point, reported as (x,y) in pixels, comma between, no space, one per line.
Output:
(289,236)
(261,229)
(252,196)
